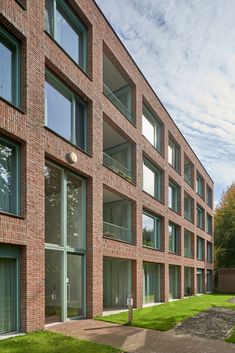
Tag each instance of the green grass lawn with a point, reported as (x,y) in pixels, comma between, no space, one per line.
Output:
(47,342)
(231,339)
(165,316)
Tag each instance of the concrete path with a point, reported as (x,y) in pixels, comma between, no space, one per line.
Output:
(132,339)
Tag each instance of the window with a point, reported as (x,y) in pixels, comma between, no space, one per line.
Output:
(67,29)
(188,207)
(151,229)
(188,171)
(200,217)
(152,128)
(200,248)
(174,155)
(208,224)
(188,244)
(209,201)
(173,233)
(173,197)
(152,178)
(9,177)
(200,185)
(65,235)
(209,257)
(66,113)
(151,283)
(9,68)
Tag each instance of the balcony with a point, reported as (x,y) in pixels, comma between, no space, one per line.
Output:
(116,232)
(117,217)
(117,153)
(117,89)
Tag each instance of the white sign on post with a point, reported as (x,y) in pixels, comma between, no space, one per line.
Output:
(130,301)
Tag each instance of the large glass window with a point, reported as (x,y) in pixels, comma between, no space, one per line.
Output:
(174,155)
(174,280)
(117,283)
(188,281)
(151,229)
(9,68)
(200,284)
(209,281)
(208,224)
(200,217)
(66,113)
(151,283)
(188,243)
(200,185)
(173,238)
(209,253)
(9,289)
(152,128)
(152,180)
(173,196)
(9,177)
(65,243)
(188,207)
(188,171)
(209,200)
(67,29)
(200,248)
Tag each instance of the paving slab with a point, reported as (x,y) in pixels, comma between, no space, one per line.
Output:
(137,340)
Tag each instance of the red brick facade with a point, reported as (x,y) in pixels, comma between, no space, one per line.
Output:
(26,125)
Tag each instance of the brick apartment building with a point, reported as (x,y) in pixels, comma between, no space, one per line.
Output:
(100,194)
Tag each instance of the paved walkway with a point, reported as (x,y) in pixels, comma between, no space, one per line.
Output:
(132,339)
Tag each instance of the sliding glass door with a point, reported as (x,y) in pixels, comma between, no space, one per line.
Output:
(173,282)
(151,283)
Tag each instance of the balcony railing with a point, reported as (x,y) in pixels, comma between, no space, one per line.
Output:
(117,167)
(118,104)
(116,232)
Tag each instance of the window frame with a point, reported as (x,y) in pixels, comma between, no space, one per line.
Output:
(209,227)
(209,254)
(157,231)
(58,85)
(200,185)
(186,179)
(202,212)
(186,254)
(175,193)
(18,176)
(175,235)
(209,199)
(200,248)
(157,179)
(175,154)
(186,195)
(157,126)
(7,38)
(77,22)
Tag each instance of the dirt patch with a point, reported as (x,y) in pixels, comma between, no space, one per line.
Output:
(215,323)
(231,300)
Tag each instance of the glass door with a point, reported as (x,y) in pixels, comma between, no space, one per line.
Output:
(8,295)
(74,286)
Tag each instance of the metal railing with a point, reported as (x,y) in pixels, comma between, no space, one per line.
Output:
(116,232)
(118,104)
(116,166)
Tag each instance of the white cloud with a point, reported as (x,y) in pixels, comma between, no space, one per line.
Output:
(186,49)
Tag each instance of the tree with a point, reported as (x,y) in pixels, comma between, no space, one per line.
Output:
(225,230)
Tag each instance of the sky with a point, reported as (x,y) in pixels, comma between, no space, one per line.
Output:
(186,50)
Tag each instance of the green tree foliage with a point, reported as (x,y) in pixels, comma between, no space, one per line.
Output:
(225,230)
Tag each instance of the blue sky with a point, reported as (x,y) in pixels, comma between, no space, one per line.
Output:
(186,50)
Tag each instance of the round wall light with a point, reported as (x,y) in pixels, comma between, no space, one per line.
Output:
(72,157)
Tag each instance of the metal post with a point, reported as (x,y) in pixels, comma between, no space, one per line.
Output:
(130,308)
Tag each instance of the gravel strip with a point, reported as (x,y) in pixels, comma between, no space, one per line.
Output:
(215,323)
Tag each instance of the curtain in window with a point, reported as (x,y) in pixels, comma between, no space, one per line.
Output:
(8,180)
(173,282)
(151,283)
(8,295)
(117,283)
